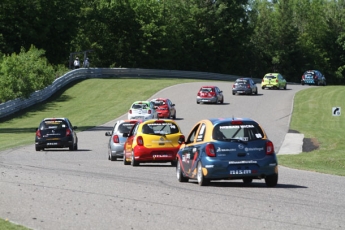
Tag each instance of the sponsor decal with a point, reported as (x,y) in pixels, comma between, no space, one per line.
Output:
(242,162)
(258,135)
(224,150)
(209,166)
(253,149)
(240,146)
(240,172)
(236,126)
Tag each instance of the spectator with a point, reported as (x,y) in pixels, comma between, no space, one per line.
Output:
(86,63)
(76,63)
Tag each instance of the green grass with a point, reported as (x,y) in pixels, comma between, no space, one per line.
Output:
(86,103)
(96,101)
(5,225)
(312,116)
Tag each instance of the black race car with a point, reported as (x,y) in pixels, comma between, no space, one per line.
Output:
(56,133)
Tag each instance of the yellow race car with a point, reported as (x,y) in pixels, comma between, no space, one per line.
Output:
(152,141)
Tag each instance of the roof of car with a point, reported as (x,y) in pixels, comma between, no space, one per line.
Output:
(228,119)
(55,118)
(271,74)
(208,86)
(159,99)
(141,102)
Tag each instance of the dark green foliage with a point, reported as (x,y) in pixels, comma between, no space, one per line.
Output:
(242,37)
(22,74)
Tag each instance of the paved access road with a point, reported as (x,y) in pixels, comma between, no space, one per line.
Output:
(83,190)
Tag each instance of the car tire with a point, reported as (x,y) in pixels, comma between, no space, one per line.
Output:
(76,147)
(202,181)
(71,148)
(173,163)
(285,86)
(222,101)
(111,158)
(302,83)
(247,180)
(263,87)
(174,117)
(197,102)
(272,180)
(125,162)
(256,92)
(37,148)
(179,173)
(133,161)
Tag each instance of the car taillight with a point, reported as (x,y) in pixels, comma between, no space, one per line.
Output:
(210,151)
(269,148)
(116,139)
(212,94)
(303,77)
(38,133)
(277,80)
(140,141)
(262,80)
(199,93)
(233,86)
(181,139)
(248,86)
(149,111)
(130,111)
(68,132)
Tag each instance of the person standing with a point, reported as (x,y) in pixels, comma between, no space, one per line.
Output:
(76,63)
(86,63)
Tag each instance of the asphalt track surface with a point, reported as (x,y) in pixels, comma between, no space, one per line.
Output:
(59,189)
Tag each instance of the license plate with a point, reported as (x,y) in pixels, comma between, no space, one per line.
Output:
(161,155)
(240,172)
(239,91)
(54,143)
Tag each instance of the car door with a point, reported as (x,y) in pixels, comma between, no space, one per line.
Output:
(171,107)
(130,139)
(219,94)
(253,86)
(191,151)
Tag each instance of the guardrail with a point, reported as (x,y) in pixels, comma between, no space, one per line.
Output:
(16,105)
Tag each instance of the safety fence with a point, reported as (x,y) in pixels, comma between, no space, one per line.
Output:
(17,105)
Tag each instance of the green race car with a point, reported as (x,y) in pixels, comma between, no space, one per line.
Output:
(273,81)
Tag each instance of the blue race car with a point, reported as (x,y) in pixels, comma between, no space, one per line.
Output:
(227,149)
(313,77)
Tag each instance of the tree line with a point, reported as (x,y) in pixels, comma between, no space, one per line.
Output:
(240,37)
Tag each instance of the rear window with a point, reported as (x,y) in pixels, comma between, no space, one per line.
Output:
(139,106)
(241,82)
(270,77)
(125,127)
(53,124)
(158,103)
(247,131)
(160,128)
(206,90)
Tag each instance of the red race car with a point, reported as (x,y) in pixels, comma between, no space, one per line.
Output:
(164,107)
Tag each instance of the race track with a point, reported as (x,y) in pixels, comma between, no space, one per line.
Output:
(59,189)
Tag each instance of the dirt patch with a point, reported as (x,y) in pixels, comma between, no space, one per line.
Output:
(309,144)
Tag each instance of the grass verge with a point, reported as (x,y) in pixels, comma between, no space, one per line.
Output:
(312,116)
(86,103)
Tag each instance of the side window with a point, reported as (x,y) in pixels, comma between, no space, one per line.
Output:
(114,127)
(201,133)
(192,134)
(134,129)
